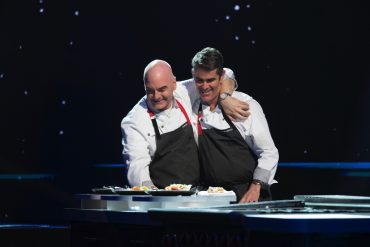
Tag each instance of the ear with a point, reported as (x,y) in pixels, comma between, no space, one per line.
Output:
(192,72)
(175,83)
(222,75)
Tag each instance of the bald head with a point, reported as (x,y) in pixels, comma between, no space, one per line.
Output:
(156,70)
(159,83)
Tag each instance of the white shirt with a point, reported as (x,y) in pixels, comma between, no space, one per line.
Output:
(139,144)
(254,130)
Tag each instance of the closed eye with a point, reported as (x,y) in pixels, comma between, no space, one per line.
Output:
(162,89)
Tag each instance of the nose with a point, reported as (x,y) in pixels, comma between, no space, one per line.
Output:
(156,95)
(204,86)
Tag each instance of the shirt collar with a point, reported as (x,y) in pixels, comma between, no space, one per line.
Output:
(168,111)
(207,108)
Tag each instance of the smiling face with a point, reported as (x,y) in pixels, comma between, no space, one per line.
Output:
(159,86)
(208,84)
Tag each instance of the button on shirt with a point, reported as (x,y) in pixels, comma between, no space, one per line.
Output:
(254,130)
(139,144)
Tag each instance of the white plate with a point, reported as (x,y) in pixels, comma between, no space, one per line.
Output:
(226,193)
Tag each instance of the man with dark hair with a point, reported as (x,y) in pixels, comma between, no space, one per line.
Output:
(208,59)
(237,155)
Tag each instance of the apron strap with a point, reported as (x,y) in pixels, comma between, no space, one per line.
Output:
(200,113)
(183,112)
(155,125)
(227,119)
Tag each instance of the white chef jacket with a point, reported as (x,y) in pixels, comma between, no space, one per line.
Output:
(254,130)
(139,143)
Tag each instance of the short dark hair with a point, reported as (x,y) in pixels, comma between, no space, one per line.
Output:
(209,59)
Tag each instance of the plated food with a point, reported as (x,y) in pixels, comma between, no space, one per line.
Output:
(178,187)
(136,190)
(215,189)
(152,187)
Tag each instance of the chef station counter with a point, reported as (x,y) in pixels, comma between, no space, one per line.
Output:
(205,221)
(164,199)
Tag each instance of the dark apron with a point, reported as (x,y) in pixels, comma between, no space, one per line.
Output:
(226,159)
(176,157)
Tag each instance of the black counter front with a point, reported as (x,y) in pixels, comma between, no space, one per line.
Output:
(305,221)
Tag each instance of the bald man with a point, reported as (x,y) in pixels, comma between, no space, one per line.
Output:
(158,133)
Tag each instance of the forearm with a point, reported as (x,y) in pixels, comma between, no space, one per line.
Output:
(267,153)
(138,166)
(262,144)
(236,109)
(136,154)
(228,86)
(138,175)
(189,87)
(266,169)
(252,194)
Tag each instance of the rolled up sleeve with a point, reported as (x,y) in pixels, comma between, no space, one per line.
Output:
(260,140)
